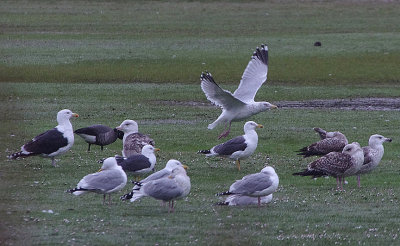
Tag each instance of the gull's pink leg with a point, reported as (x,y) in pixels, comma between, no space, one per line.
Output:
(259,201)
(358,180)
(225,133)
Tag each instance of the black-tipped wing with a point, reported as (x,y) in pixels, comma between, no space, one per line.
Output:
(46,143)
(217,95)
(235,144)
(254,75)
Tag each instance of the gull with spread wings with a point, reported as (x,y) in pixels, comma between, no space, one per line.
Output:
(240,105)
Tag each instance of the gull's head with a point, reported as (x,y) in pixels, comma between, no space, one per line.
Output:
(267,105)
(65,115)
(251,125)
(352,149)
(148,150)
(377,139)
(109,163)
(268,169)
(171,164)
(128,126)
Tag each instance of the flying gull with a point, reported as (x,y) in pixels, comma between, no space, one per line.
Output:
(237,148)
(53,142)
(372,154)
(175,186)
(99,135)
(330,142)
(111,178)
(257,185)
(165,172)
(133,141)
(238,200)
(240,105)
(141,163)
(337,164)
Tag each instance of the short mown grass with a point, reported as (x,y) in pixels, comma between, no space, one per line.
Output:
(304,211)
(174,41)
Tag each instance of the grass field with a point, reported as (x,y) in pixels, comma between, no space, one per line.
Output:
(82,54)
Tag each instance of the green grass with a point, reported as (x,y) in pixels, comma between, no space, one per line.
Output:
(303,210)
(157,41)
(94,56)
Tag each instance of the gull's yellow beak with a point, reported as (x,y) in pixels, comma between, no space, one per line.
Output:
(273,106)
(185,167)
(156,149)
(75,115)
(100,170)
(260,126)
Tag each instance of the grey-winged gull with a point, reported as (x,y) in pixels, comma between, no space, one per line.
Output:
(337,164)
(240,105)
(255,185)
(133,141)
(141,163)
(330,142)
(165,172)
(168,189)
(111,178)
(99,135)
(237,148)
(53,142)
(373,154)
(239,200)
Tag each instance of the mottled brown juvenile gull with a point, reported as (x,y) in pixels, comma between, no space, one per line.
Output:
(330,142)
(255,185)
(133,141)
(53,142)
(238,200)
(337,164)
(111,178)
(240,105)
(237,148)
(373,154)
(99,135)
(139,164)
(175,186)
(165,172)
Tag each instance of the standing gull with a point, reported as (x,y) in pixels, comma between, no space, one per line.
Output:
(133,141)
(239,200)
(53,142)
(174,187)
(237,148)
(99,135)
(373,154)
(165,172)
(111,178)
(330,142)
(257,185)
(336,164)
(240,105)
(139,164)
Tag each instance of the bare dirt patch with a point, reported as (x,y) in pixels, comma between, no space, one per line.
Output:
(371,103)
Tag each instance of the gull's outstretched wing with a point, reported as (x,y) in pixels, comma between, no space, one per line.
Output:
(254,75)
(217,95)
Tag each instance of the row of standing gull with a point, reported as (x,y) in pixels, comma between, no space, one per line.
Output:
(338,159)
